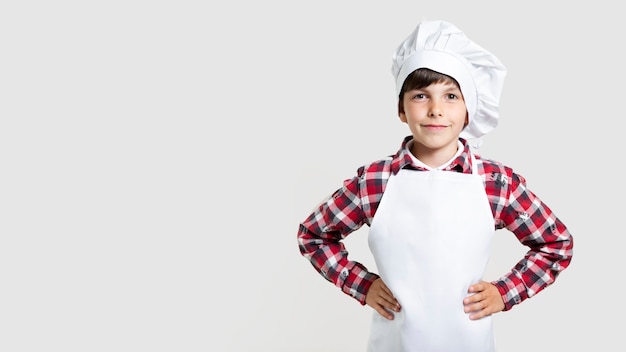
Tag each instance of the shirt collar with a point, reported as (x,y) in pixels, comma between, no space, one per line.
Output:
(402,159)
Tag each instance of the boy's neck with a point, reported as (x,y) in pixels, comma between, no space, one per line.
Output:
(434,158)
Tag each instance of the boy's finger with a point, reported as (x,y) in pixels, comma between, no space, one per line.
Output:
(385,313)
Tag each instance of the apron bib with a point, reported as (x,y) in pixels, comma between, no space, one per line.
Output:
(431,239)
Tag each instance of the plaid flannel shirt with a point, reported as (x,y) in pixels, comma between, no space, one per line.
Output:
(513,205)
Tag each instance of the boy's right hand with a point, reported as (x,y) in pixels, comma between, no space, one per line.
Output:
(381,299)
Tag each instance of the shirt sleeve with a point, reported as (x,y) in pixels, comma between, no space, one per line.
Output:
(320,236)
(548,239)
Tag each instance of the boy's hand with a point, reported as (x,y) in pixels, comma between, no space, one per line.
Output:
(381,299)
(484,300)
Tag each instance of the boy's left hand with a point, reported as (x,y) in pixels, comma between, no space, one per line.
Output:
(484,300)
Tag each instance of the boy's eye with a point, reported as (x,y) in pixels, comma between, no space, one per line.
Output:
(452,96)
(419,96)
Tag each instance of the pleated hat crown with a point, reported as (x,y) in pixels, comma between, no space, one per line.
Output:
(442,47)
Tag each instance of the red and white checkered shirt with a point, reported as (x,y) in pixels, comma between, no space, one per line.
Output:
(514,208)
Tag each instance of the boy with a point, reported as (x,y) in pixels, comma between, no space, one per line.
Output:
(433,207)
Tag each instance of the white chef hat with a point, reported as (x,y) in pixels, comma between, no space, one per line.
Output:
(442,47)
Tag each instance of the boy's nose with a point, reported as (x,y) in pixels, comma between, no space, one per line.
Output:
(435,112)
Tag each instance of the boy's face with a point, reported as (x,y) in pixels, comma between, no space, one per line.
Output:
(436,116)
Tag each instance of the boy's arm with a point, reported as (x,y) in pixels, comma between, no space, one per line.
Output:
(319,241)
(549,241)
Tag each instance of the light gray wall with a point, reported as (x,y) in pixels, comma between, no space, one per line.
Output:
(157,157)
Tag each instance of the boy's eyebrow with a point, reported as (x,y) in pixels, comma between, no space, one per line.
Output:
(450,87)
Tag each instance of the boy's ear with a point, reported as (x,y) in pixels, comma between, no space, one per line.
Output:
(466,119)
(401,113)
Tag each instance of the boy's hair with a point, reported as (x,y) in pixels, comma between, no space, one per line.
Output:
(421,78)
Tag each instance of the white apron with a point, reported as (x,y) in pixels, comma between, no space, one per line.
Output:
(431,239)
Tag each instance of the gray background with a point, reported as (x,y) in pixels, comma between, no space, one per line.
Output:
(157,157)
